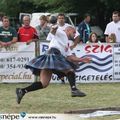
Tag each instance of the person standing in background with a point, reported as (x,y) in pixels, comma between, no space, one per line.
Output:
(27,33)
(113,27)
(62,25)
(84,28)
(8,34)
(43,29)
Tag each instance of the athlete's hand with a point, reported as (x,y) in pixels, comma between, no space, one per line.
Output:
(87,60)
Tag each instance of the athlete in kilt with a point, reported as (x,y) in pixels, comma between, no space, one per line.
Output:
(58,59)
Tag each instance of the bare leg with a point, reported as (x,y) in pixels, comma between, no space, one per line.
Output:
(45,77)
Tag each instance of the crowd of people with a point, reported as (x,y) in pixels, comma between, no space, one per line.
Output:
(59,58)
(26,32)
(112,30)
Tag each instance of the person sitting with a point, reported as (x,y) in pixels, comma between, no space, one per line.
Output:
(111,38)
(93,38)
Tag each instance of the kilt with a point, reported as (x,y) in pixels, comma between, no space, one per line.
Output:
(52,60)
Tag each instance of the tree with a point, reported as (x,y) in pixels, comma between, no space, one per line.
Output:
(99,9)
(13,8)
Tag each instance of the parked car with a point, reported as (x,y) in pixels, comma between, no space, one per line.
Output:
(35,18)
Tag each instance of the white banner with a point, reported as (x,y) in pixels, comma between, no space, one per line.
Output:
(26,116)
(12,61)
(100,69)
(105,65)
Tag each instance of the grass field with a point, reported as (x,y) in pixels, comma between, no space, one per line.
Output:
(56,99)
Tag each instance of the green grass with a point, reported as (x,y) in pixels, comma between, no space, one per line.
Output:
(56,99)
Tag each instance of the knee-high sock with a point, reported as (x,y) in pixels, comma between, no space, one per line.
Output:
(33,87)
(71,79)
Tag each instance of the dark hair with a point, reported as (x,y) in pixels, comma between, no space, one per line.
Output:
(53,20)
(116,12)
(86,15)
(5,17)
(90,38)
(61,14)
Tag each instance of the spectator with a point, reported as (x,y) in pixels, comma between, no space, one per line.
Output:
(93,38)
(62,25)
(113,27)
(43,29)
(84,28)
(111,38)
(8,34)
(26,33)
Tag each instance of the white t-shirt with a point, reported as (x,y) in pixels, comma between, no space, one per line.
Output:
(49,37)
(60,41)
(113,27)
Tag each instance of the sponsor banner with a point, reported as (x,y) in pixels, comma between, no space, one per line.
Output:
(25,116)
(105,65)
(101,67)
(12,61)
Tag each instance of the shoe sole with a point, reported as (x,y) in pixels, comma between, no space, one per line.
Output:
(78,95)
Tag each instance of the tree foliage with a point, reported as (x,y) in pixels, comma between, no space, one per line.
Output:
(100,9)
(80,6)
(12,8)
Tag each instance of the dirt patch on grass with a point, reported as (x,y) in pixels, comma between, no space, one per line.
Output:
(90,110)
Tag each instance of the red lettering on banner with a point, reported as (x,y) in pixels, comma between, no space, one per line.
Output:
(95,48)
(98,48)
(108,48)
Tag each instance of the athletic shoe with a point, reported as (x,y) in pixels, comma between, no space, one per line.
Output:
(19,94)
(77,93)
